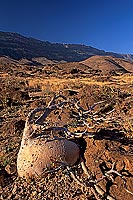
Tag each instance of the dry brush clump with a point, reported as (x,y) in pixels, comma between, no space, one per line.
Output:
(42,152)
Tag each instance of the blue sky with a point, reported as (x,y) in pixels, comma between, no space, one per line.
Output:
(104,24)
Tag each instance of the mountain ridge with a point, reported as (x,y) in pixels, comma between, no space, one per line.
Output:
(18,46)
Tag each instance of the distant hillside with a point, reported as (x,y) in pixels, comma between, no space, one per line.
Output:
(108,64)
(17,47)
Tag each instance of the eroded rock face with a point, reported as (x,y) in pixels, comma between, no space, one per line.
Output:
(36,156)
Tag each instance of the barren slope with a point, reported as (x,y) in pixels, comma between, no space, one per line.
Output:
(108,64)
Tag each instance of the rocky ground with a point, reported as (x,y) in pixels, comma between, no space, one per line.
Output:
(24,88)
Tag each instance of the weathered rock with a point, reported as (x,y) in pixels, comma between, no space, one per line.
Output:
(36,156)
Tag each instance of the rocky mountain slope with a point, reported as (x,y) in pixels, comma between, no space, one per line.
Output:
(17,46)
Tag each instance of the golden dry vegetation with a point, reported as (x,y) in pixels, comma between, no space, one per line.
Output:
(24,88)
